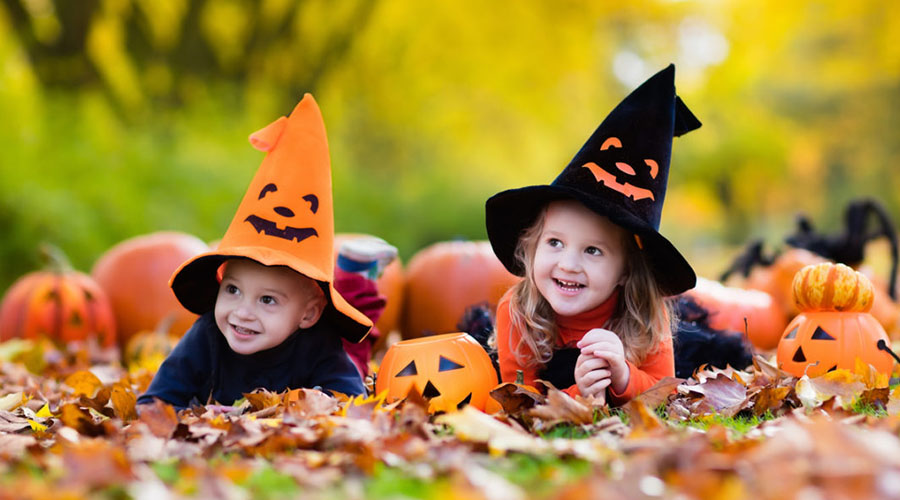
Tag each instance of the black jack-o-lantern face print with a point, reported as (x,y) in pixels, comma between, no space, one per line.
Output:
(269,226)
(611,180)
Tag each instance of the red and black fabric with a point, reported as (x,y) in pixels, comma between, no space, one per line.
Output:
(621,172)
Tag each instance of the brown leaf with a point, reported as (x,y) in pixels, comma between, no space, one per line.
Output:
(515,399)
(95,463)
(560,407)
(309,403)
(659,393)
(722,394)
(470,424)
(262,399)
(770,399)
(876,398)
(841,384)
(10,422)
(160,418)
(641,417)
(15,445)
(84,383)
(124,401)
(73,416)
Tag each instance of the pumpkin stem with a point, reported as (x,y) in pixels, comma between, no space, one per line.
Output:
(884,347)
(55,258)
(520,377)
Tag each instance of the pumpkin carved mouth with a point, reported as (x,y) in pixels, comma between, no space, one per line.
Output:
(271,229)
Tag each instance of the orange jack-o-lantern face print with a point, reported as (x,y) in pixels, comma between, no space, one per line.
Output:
(611,180)
(450,370)
(270,227)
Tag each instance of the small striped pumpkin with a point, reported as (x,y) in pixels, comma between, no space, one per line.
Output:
(832,287)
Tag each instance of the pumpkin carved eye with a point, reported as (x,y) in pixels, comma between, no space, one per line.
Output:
(446,365)
(821,334)
(408,370)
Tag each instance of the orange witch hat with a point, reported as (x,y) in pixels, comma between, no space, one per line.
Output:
(285,219)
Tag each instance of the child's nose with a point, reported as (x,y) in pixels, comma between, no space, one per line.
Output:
(243,310)
(570,261)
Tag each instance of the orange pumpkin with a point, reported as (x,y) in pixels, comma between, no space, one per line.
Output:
(730,307)
(135,275)
(777,280)
(834,328)
(450,370)
(61,304)
(444,279)
(390,284)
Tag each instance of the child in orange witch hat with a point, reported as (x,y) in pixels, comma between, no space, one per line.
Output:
(270,314)
(590,315)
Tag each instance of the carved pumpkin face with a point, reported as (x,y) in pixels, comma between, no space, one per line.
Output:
(279,203)
(623,171)
(816,342)
(450,370)
(835,328)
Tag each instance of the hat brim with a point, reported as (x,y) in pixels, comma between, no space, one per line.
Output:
(509,213)
(196,287)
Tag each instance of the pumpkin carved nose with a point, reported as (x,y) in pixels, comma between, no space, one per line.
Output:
(284,211)
(430,391)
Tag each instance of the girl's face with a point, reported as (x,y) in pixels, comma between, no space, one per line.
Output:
(258,306)
(579,259)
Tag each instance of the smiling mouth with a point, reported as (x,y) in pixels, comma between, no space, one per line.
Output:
(569,286)
(244,331)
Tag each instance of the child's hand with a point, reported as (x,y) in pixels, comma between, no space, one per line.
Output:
(592,376)
(606,345)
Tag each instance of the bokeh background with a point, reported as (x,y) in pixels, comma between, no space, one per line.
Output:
(123,117)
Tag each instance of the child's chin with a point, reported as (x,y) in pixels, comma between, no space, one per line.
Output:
(244,347)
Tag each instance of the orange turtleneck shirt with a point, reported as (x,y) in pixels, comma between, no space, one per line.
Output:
(657,365)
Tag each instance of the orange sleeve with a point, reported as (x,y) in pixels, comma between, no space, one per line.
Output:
(507,340)
(657,366)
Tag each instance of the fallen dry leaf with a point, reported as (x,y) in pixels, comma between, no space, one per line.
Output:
(720,394)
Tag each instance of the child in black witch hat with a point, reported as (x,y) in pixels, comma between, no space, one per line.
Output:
(591,315)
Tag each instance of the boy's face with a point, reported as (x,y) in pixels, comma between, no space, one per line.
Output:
(258,306)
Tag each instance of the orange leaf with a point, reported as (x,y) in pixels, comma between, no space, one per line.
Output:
(124,401)
(262,399)
(84,383)
(160,418)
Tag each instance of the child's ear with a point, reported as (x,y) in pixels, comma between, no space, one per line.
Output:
(313,312)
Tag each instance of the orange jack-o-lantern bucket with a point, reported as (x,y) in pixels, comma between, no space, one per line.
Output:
(450,370)
(834,327)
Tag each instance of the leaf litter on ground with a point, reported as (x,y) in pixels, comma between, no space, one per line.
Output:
(74,426)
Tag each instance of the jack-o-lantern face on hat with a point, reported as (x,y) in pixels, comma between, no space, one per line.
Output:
(624,171)
(450,370)
(279,203)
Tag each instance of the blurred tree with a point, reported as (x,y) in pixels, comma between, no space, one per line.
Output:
(144,51)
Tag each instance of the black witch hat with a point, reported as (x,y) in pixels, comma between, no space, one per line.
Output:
(621,172)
